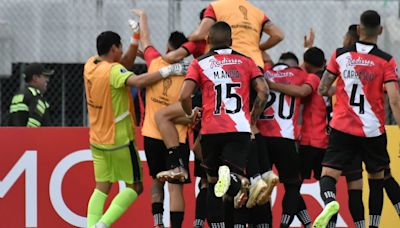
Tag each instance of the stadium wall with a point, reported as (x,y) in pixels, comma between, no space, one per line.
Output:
(46,178)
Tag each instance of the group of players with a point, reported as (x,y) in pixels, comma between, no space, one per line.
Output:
(244,113)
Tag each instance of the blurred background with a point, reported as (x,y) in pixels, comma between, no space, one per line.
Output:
(62,35)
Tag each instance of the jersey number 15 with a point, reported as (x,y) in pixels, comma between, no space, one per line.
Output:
(229,93)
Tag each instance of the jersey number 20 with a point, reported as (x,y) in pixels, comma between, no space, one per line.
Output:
(281,105)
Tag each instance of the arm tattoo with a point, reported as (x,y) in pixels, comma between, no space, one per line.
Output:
(258,107)
(326,83)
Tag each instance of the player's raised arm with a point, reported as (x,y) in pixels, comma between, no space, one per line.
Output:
(208,20)
(144,28)
(276,35)
(128,58)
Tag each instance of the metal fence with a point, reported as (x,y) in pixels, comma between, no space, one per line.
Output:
(61,34)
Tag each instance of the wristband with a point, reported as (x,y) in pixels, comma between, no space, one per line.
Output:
(135,38)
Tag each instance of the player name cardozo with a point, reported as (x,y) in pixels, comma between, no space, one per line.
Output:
(28,163)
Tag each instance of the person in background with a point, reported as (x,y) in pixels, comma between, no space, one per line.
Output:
(28,107)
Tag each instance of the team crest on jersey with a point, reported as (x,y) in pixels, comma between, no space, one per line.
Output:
(224,62)
(359,62)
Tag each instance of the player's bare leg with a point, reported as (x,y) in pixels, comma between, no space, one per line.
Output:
(166,120)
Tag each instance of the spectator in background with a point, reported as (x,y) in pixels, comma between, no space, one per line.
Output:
(28,107)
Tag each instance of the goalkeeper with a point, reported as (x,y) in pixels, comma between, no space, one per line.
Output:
(110,108)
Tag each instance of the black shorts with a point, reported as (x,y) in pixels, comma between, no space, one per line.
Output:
(157,153)
(199,170)
(229,149)
(284,155)
(353,169)
(258,162)
(343,148)
(311,159)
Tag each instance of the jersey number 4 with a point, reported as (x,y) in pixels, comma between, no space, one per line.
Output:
(281,105)
(360,104)
(230,93)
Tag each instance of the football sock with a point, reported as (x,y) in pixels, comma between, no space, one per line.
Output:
(375,201)
(328,189)
(356,207)
(176,218)
(95,207)
(157,209)
(393,191)
(201,204)
(118,206)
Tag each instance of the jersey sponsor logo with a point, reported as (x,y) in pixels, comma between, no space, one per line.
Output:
(224,62)
(278,74)
(359,62)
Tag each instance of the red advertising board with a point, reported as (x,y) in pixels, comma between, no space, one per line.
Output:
(46,178)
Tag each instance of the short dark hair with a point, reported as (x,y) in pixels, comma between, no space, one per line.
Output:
(220,34)
(106,40)
(352,32)
(315,57)
(370,19)
(176,39)
(289,55)
(201,14)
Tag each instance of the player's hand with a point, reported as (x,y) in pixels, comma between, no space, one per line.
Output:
(309,40)
(134,25)
(138,12)
(196,115)
(174,69)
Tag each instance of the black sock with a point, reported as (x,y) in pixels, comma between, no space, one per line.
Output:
(375,201)
(291,197)
(228,213)
(356,207)
(174,158)
(393,191)
(176,218)
(328,189)
(332,222)
(302,213)
(201,203)
(157,209)
(240,217)
(235,186)
(259,216)
(253,161)
(215,206)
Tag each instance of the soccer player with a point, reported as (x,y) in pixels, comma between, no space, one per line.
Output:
(279,128)
(166,118)
(161,157)
(247,23)
(358,117)
(225,78)
(196,48)
(353,171)
(111,125)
